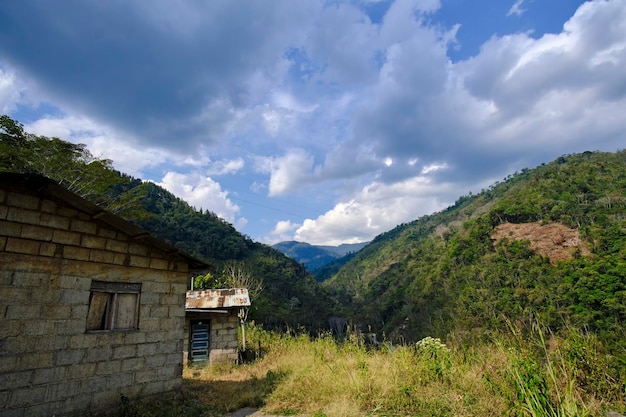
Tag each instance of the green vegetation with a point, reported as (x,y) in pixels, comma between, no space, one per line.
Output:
(445,273)
(510,375)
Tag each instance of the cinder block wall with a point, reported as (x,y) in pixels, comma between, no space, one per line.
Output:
(223,335)
(49,363)
(224,338)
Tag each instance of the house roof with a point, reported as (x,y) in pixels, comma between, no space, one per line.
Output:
(216,299)
(46,187)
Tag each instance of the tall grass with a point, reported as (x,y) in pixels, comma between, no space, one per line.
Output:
(531,374)
(535,375)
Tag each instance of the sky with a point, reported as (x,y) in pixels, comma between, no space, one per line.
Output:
(321,121)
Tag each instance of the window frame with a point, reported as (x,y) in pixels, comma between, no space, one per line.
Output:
(103,315)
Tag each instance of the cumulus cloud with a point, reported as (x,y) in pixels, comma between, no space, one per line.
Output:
(282,231)
(377,208)
(9,91)
(287,172)
(202,193)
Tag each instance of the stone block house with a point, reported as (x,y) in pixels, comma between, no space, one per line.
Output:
(91,306)
(211,323)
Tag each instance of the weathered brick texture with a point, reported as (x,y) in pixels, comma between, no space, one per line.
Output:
(50,364)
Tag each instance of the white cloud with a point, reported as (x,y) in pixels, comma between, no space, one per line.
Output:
(10,91)
(289,172)
(375,209)
(201,192)
(102,142)
(281,232)
(517,9)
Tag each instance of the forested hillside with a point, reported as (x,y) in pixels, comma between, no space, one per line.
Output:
(290,296)
(463,270)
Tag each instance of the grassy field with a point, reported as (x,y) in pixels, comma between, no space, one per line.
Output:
(535,375)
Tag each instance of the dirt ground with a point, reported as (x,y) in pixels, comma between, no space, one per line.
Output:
(553,240)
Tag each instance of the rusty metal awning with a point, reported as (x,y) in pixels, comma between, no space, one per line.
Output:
(217,299)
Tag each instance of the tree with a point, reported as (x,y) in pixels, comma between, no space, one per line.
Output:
(239,277)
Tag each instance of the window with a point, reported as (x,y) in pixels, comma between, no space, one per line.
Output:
(113,306)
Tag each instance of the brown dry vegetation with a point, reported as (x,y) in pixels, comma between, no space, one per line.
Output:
(553,240)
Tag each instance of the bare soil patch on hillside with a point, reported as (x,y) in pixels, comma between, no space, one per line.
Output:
(554,240)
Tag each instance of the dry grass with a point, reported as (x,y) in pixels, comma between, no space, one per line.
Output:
(320,377)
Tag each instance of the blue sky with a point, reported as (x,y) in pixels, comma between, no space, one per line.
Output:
(320,121)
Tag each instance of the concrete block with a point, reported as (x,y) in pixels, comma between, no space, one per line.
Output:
(70,327)
(48,206)
(7,364)
(101,256)
(16,412)
(93,242)
(120,381)
(168,347)
(159,312)
(92,385)
(69,357)
(76,253)
(36,360)
(147,324)
(116,246)
(48,375)
(138,249)
(124,351)
(15,380)
(54,311)
(134,338)
(80,371)
(71,296)
(66,237)
(83,341)
(54,221)
(38,328)
(23,312)
(79,312)
(100,354)
(139,261)
(29,247)
(67,211)
(48,249)
(23,397)
(107,233)
(108,367)
(34,232)
(82,226)
(23,216)
(159,263)
(156,336)
(132,364)
(154,361)
(147,349)
(10,228)
(22,200)
(146,375)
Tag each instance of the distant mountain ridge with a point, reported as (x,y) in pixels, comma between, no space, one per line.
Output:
(314,257)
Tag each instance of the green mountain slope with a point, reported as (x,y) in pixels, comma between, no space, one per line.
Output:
(451,272)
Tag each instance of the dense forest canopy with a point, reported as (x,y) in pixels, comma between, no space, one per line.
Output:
(448,273)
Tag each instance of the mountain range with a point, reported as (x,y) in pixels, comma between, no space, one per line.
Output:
(314,257)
